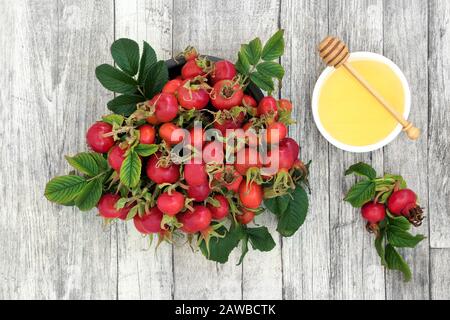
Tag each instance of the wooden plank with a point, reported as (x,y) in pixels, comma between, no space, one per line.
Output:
(144,274)
(306,265)
(439,123)
(405,42)
(356,269)
(218,28)
(439,274)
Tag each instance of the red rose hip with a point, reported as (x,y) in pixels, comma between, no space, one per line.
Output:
(96,139)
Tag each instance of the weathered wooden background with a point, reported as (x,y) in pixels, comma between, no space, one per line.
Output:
(49,96)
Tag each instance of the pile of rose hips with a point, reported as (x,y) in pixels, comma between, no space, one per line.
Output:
(190,196)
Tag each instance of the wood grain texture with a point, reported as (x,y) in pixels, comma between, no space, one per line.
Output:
(439,275)
(439,123)
(406,43)
(356,270)
(142,272)
(306,274)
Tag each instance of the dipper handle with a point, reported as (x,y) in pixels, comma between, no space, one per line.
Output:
(335,53)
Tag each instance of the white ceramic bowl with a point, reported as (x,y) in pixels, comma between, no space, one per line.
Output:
(329,70)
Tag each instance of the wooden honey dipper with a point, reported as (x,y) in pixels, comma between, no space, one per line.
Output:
(335,53)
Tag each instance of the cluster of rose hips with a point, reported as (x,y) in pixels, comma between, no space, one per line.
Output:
(191,195)
(400,203)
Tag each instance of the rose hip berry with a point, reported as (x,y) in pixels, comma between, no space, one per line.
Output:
(250,194)
(166,107)
(248,101)
(191,70)
(229,178)
(373,213)
(195,174)
(226,95)
(276,132)
(96,139)
(223,70)
(267,105)
(292,145)
(404,202)
(172,86)
(116,157)
(147,134)
(107,207)
(171,133)
(199,193)
(192,96)
(246,217)
(222,210)
(150,222)
(195,221)
(171,203)
(160,173)
(284,104)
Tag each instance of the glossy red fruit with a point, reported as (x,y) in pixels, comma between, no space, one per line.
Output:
(401,202)
(279,159)
(162,174)
(223,70)
(191,70)
(226,95)
(195,221)
(166,107)
(171,133)
(250,194)
(150,222)
(248,101)
(247,158)
(95,137)
(276,132)
(213,152)
(147,134)
(192,96)
(195,174)
(284,104)
(116,156)
(246,217)
(172,86)
(373,212)
(199,193)
(228,123)
(107,207)
(229,178)
(190,53)
(153,120)
(292,145)
(267,105)
(222,210)
(171,203)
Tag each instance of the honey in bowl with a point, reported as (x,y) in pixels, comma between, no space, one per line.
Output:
(348,115)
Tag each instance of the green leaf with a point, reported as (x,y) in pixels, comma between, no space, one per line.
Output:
(402,239)
(271,69)
(146,150)
(252,51)
(244,244)
(90,195)
(379,246)
(220,248)
(278,205)
(242,65)
(396,262)
(263,82)
(63,190)
(85,163)
(399,222)
(148,59)
(274,47)
(261,239)
(101,161)
(125,53)
(155,79)
(125,105)
(362,169)
(115,80)
(361,193)
(403,184)
(130,172)
(114,119)
(294,217)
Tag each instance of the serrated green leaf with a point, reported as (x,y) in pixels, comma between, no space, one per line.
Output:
(115,80)
(361,193)
(399,222)
(263,82)
(252,51)
(278,205)
(84,163)
(155,79)
(260,239)
(242,65)
(101,161)
(130,172)
(362,169)
(220,248)
(64,189)
(114,119)
(396,262)
(402,239)
(146,150)
(148,59)
(125,105)
(274,47)
(294,217)
(244,249)
(90,195)
(379,246)
(125,53)
(271,69)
